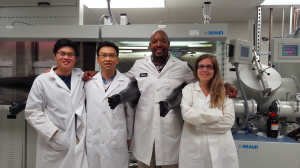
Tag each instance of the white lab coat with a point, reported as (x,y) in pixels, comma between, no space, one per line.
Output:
(149,127)
(206,140)
(52,106)
(107,130)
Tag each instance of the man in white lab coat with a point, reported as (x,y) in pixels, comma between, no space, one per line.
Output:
(55,108)
(156,139)
(108,131)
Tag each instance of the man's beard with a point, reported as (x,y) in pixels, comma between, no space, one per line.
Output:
(160,57)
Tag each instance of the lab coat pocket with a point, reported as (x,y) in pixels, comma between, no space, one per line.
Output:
(89,138)
(172,124)
(191,149)
(228,147)
(119,138)
(140,121)
(60,141)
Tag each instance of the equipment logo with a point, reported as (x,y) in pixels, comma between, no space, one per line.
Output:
(248,146)
(213,32)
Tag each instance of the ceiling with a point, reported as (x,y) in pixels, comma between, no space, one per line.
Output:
(178,11)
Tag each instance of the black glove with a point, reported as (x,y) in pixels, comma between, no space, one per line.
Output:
(172,101)
(130,94)
(17,107)
(114,101)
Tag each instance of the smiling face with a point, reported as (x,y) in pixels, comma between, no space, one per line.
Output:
(66,62)
(107,58)
(204,74)
(159,44)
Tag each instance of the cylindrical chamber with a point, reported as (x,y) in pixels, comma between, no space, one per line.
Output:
(239,108)
(285,108)
(287,85)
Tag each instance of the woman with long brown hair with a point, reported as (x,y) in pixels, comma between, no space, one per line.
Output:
(206,139)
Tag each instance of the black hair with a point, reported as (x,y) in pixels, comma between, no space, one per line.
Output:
(65,43)
(107,44)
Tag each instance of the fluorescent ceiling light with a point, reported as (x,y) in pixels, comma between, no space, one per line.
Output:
(189,52)
(201,45)
(125,3)
(281,2)
(124,51)
(133,48)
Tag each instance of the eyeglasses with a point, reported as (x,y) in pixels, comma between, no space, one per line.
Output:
(208,67)
(62,54)
(106,56)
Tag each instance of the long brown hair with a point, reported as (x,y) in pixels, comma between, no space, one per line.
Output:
(215,86)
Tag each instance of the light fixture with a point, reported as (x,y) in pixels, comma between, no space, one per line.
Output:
(200,45)
(125,51)
(134,48)
(125,3)
(281,2)
(189,52)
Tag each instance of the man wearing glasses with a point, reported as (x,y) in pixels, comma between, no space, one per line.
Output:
(55,108)
(108,131)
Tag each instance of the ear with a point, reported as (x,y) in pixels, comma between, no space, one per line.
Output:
(118,60)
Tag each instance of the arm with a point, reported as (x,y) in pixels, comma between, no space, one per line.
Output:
(130,73)
(129,113)
(197,116)
(225,124)
(34,112)
(189,75)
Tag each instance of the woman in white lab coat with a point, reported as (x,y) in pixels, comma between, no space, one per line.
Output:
(55,108)
(206,140)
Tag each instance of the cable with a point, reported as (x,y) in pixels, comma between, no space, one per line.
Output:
(21,22)
(233,130)
(105,15)
(110,14)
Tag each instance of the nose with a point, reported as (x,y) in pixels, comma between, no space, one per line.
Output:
(158,43)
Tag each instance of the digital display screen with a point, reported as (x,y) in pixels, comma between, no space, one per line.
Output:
(245,52)
(290,50)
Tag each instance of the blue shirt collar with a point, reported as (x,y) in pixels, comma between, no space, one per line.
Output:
(112,78)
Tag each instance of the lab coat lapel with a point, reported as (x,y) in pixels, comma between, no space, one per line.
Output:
(168,65)
(98,80)
(75,78)
(116,82)
(151,67)
(58,80)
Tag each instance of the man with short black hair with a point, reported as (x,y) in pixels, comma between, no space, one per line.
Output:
(55,108)
(108,131)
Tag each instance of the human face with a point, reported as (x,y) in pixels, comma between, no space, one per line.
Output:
(159,44)
(204,74)
(107,58)
(65,63)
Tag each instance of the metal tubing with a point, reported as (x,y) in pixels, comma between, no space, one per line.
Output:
(282,28)
(294,25)
(270,34)
(291,19)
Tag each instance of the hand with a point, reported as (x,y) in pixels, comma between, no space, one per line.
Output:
(88,75)
(114,101)
(231,91)
(17,107)
(128,142)
(55,133)
(46,71)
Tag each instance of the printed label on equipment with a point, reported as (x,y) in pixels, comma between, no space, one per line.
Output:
(274,126)
(194,33)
